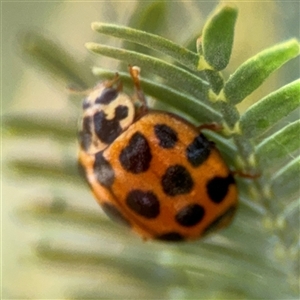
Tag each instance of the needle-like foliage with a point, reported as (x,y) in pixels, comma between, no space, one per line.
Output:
(258,256)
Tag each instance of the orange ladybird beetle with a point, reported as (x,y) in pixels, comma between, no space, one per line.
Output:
(151,170)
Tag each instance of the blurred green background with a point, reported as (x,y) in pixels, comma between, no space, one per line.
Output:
(30,90)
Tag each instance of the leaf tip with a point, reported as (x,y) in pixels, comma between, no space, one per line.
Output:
(296,44)
(292,44)
(228,8)
(218,35)
(96,26)
(90,45)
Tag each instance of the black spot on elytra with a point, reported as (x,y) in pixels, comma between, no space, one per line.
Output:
(136,156)
(103,170)
(177,180)
(190,215)
(198,151)
(170,237)
(221,221)
(144,203)
(114,214)
(107,96)
(108,130)
(166,135)
(85,135)
(217,187)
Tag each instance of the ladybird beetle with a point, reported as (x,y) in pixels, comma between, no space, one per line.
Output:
(151,170)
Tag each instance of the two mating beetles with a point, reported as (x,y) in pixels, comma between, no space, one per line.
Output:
(151,170)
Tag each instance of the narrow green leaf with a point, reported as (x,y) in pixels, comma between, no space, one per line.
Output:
(156,273)
(269,110)
(47,170)
(186,104)
(50,253)
(30,125)
(55,60)
(59,211)
(279,145)
(178,77)
(286,180)
(181,54)
(251,74)
(217,39)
